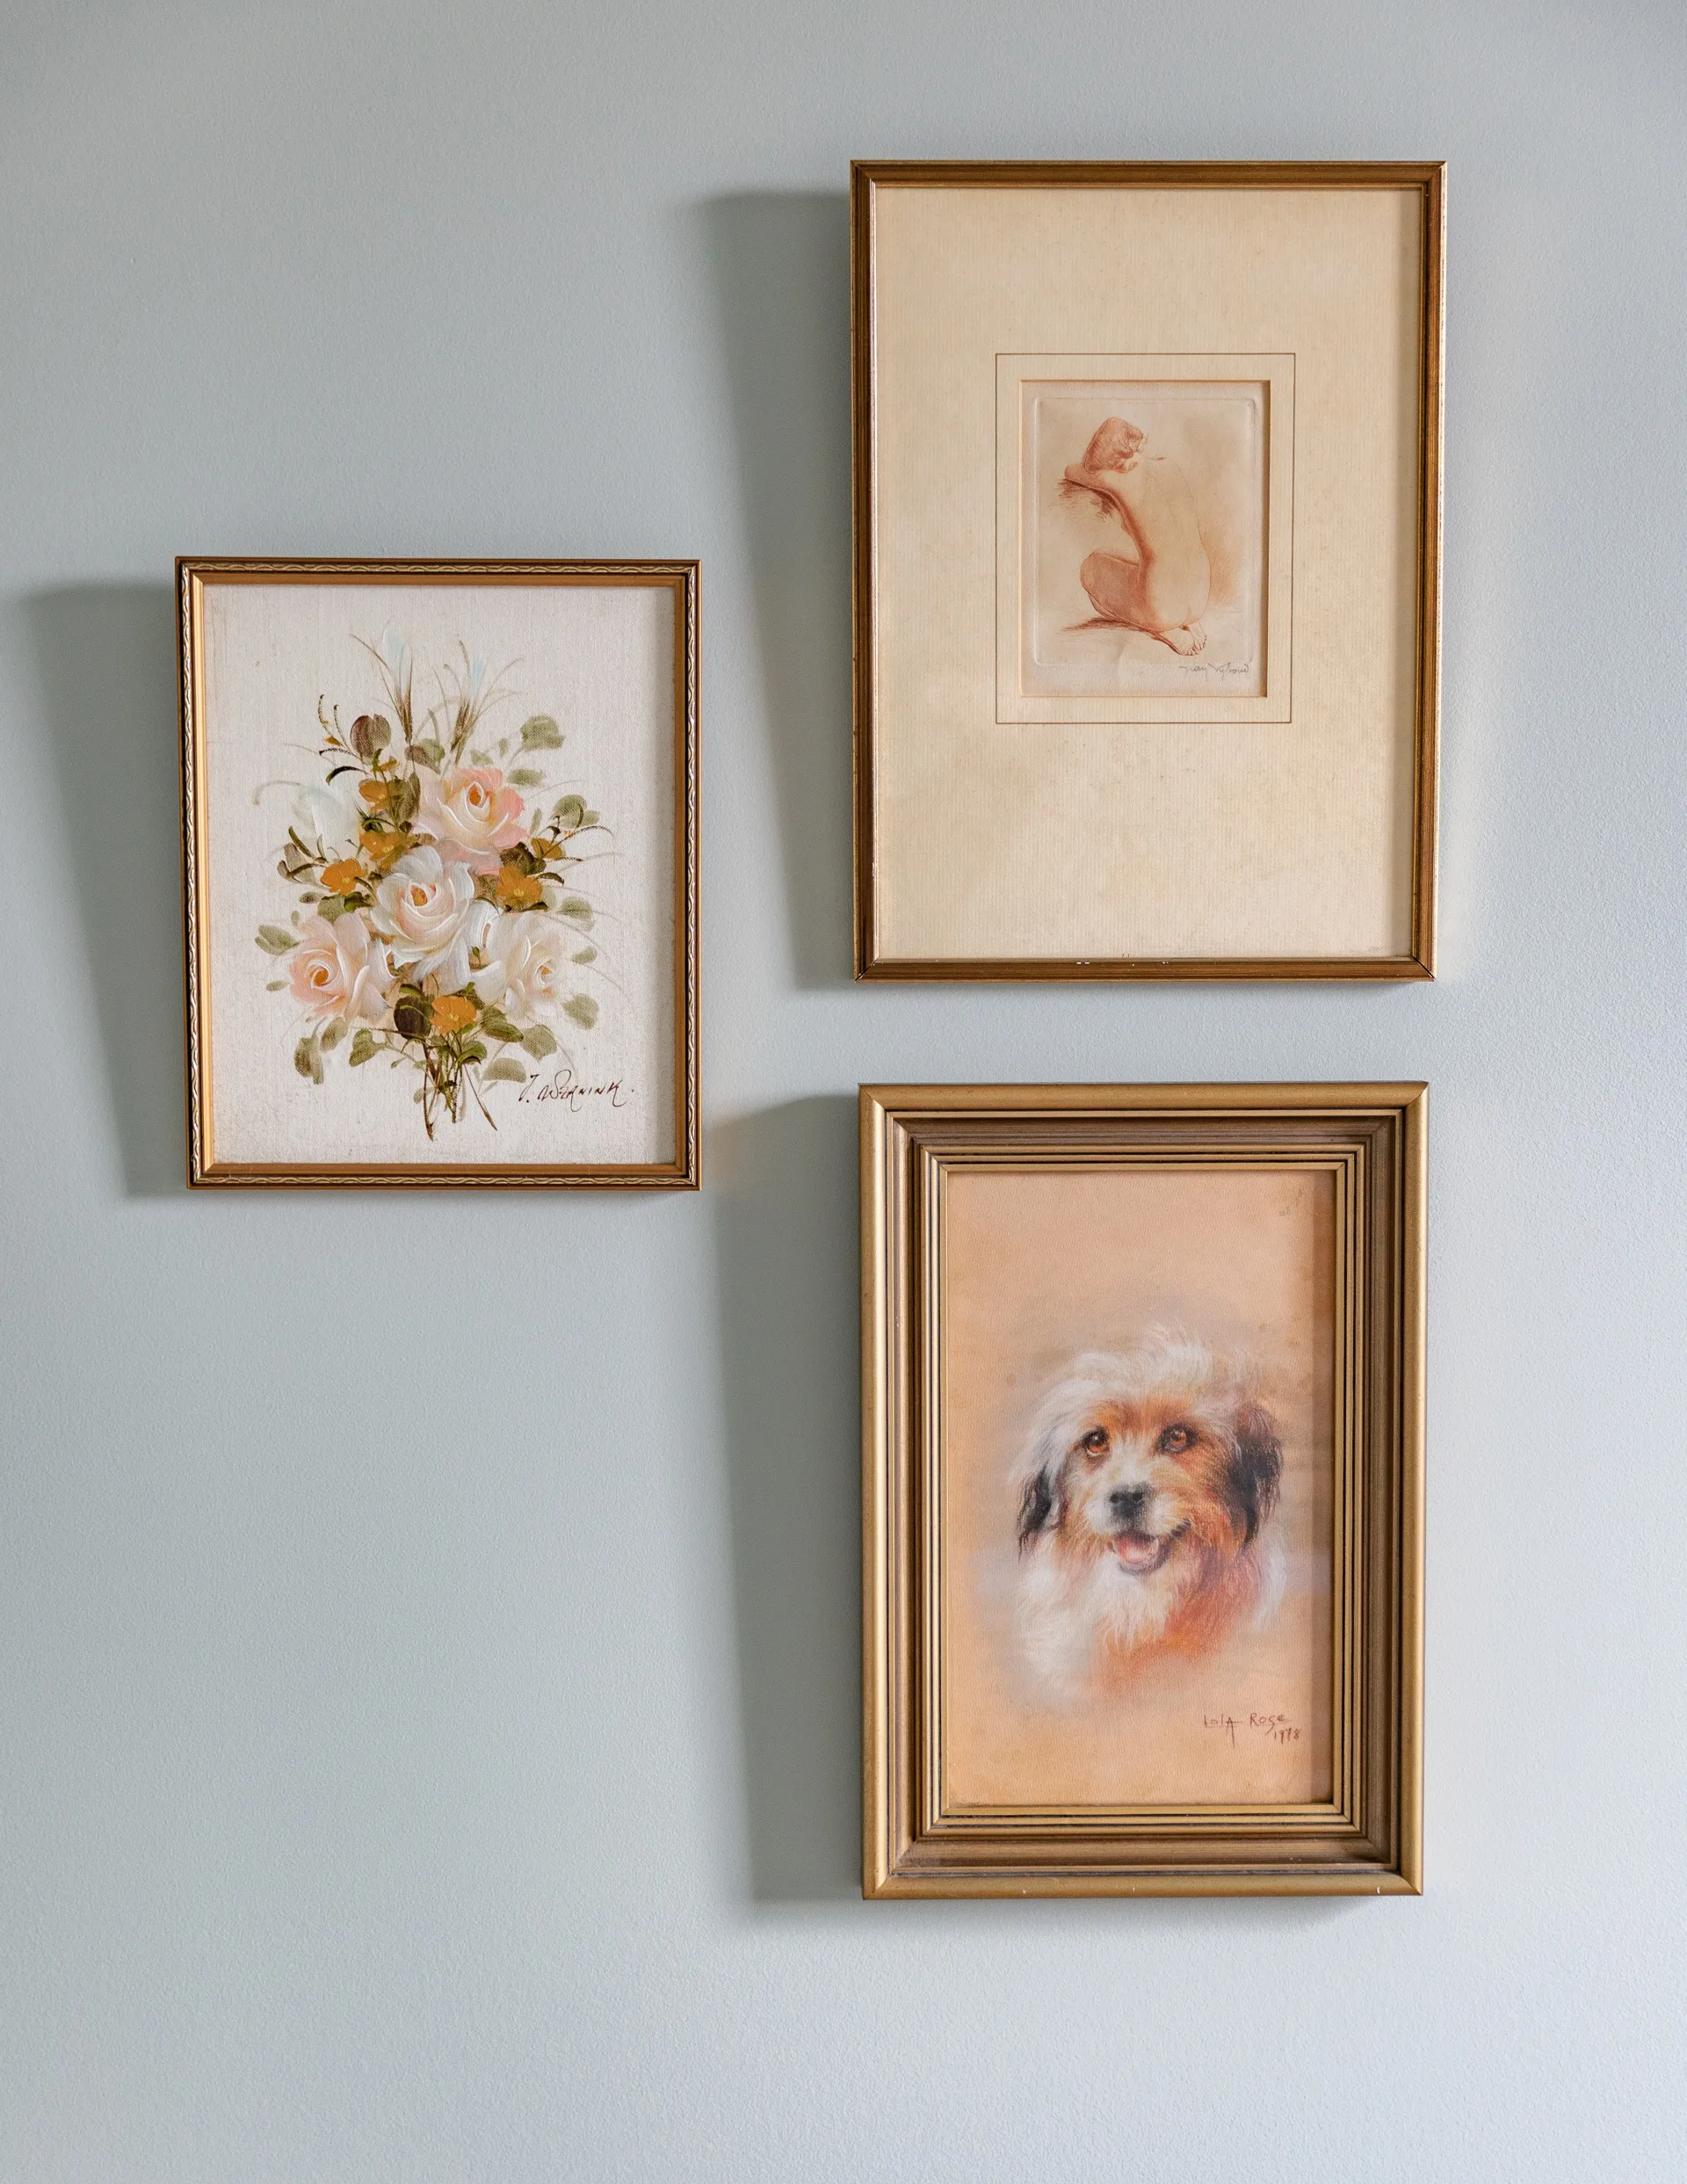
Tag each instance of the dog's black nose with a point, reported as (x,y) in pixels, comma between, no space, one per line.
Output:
(1129,1502)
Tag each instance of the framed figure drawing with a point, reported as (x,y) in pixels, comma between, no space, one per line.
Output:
(1142,1564)
(439,829)
(1148,479)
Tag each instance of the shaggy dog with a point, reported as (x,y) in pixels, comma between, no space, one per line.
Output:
(1146,1492)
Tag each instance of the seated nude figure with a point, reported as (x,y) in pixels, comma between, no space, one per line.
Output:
(1163,589)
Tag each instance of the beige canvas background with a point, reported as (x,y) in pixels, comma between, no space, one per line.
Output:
(1215,433)
(1039,1267)
(599,659)
(1072,839)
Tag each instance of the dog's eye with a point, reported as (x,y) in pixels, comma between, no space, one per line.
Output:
(1174,1440)
(1094,1441)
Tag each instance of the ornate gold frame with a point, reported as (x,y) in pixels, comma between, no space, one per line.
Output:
(1368,1840)
(1429,178)
(679,577)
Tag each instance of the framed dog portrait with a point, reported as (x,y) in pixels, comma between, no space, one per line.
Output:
(1143,1465)
(1147,506)
(439,825)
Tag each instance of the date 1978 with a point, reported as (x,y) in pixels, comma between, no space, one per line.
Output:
(1275,1729)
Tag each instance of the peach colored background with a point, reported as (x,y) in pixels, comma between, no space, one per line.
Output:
(1039,1267)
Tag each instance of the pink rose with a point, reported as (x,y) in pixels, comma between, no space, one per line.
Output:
(339,970)
(471,814)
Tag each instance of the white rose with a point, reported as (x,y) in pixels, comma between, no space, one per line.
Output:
(329,816)
(527,971)
(339,970)
(428,915)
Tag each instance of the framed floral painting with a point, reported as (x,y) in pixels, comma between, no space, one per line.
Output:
(1142,1406)
(440,831)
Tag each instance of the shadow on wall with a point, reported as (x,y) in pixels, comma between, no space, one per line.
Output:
(785,1225)
(106,658)
(781,267)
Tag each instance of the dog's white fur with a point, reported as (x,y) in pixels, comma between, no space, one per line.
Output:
(1145,1490)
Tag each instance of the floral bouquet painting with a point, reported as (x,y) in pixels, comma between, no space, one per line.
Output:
(439,857)
(441,922)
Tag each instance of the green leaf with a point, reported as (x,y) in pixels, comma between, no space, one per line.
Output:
(403,803)
(276,939)
(332,1033)
(505,1070)
(307,1061)
(363,1046)
(480,758)
(575,906)
(571,812)
(586,956)
(332,906)
(371,732)
(276,985)
(584,1009)
(523,777)
(430,752)
(473,1050)
(541,733)
(540,1041)
(497,1025)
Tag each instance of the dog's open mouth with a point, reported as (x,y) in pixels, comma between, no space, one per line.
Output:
(1140,1553)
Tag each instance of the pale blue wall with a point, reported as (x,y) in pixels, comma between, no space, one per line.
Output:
(368,1809)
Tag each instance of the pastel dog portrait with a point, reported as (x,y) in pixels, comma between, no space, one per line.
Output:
(1145,1497)
(1139,1486)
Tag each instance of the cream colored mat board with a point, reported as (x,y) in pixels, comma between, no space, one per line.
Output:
(1079,838)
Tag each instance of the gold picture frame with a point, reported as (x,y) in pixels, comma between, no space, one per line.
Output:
(583,1046)
(937,1325)
(1132,807)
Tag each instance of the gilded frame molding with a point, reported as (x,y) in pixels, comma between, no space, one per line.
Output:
(678,577)
(1427,177)
(1368,1840)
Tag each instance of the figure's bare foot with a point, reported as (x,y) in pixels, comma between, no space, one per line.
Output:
(1190,638)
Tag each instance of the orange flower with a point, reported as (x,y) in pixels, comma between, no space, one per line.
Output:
(382,850)
(340,879)
(517,891)
(375,794)
(453,1013)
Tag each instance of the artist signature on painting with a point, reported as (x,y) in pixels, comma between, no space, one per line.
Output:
(573,1090)
(1278,1729)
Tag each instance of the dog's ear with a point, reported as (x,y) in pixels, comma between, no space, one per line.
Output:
(1256,1469)
(1037,1505)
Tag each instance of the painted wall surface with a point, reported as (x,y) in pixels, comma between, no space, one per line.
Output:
(453,1773)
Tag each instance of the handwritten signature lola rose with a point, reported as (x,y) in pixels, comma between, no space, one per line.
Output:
(573,1090)
(1278,1729)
